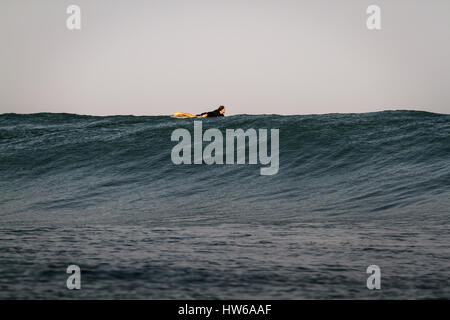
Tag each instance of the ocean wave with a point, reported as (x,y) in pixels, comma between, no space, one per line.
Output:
(335,164)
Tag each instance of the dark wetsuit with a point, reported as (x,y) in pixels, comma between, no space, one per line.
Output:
(215,113)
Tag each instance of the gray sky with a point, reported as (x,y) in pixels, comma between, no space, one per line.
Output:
(285,57)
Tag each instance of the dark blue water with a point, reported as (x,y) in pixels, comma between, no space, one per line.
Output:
(102,193)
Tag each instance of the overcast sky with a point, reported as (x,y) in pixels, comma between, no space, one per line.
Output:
(285,57)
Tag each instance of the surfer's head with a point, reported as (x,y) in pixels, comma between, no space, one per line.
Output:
(221,109)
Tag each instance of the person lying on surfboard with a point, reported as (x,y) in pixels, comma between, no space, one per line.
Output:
(219,112)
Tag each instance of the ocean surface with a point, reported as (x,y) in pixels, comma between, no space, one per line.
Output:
(102,193)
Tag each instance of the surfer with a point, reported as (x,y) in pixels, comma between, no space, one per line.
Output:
(219,112)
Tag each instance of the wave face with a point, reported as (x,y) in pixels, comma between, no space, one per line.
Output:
(375,172)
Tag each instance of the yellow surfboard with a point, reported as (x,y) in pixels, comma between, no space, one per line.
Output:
(183,115)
